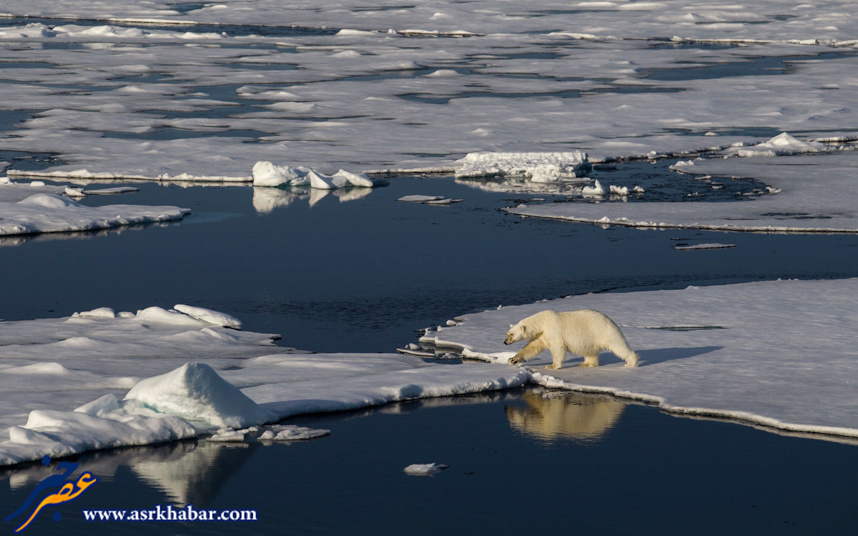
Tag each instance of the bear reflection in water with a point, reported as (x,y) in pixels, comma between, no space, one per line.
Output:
(551,415)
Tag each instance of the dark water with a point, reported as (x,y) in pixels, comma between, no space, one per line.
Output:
(363,275)
(517,463)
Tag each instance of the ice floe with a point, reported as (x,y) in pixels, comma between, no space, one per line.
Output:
(52,213)
(121,378)
(793,202)
(778,354)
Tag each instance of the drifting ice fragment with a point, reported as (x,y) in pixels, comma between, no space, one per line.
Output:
(618,190)
(594,190)
(292,433)
(425,469)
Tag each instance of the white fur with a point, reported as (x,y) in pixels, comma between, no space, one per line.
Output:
(583,332)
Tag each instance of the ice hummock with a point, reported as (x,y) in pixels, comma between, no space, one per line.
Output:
(781,145)
(196,393)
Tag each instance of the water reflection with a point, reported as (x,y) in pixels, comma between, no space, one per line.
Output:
(551,415)
(266,199)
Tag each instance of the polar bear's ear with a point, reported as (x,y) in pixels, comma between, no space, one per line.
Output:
(512,326)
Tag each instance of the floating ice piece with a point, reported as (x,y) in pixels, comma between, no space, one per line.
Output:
(425,469)
(195,392)
(619,190)
(292,433)
(428,199)
(361,180)
(320,181)
(268,174)
(780,145)
(74,192)
(541,167)
(704,246)
(596,190)
(746,345)
(50,213)
(207,315)
(228,435)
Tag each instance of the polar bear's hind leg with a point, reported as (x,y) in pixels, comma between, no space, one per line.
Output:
(590,361)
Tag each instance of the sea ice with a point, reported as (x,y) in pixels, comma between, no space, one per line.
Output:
(136,379)
(51,213)
(538,167)
(793,204)
(775,354)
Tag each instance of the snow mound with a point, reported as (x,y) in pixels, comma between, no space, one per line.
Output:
(537,167)
(196,393)
(781,145)
(209,316)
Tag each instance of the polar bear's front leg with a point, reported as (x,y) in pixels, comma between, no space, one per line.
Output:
(558,352)
(528,352)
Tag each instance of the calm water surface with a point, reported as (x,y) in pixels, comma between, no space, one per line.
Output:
(362,275)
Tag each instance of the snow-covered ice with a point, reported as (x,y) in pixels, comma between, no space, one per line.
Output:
(779,354)
(536,167)
(798,202)
(121,379)
(51,213)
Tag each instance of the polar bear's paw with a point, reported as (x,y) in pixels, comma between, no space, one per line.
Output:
(515,360)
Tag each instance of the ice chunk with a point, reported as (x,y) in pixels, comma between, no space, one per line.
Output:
(360,180)
(292,433)
(268,174)
(320,181)
(596,190)
(425,469)
(197,393)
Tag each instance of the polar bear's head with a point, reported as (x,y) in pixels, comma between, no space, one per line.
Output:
(517,332)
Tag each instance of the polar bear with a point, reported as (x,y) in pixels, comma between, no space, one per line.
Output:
(582,332)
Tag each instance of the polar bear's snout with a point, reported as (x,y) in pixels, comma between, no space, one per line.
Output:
(508,339)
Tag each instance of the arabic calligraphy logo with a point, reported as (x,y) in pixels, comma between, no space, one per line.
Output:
(69,489)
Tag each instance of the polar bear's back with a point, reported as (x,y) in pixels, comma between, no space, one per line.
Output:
(587,332)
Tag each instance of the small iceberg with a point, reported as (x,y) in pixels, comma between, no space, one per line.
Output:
(270,174)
